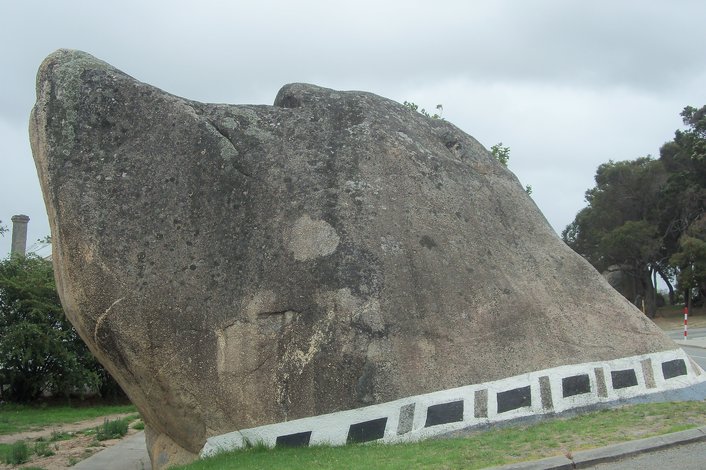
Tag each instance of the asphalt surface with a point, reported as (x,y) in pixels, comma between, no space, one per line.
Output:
(128,454)
(694,345)
(622,455)
(684,457)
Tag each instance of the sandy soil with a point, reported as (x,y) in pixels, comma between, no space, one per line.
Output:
(674,319)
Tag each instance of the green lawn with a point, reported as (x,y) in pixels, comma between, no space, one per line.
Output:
(18,418)
(496,447)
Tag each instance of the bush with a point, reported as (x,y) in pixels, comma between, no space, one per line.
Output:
(41,448)
(18,453)
(112,429)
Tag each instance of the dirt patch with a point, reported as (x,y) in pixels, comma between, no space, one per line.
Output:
(66,452)
(671,318)
(60,428)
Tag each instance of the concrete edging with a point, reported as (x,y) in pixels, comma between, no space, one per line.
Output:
(589,458)
(665,375)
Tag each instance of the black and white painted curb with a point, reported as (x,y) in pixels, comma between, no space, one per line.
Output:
(417,417)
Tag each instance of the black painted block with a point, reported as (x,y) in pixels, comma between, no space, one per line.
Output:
(300,439)
(673,368)
(367,430)
(623,378)
(575,385)
(515,398)
(444,413)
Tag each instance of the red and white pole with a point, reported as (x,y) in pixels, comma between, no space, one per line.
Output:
(686,316)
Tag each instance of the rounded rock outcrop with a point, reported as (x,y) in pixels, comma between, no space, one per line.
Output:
(235,266)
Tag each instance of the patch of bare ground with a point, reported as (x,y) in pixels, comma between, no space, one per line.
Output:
(79,445)
(672,318)
(48,431)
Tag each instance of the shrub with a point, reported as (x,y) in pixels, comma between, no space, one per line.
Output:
(41,448)
(111,429)
(18,453)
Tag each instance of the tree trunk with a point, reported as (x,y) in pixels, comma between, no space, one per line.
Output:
(648,293)
(672,296)
(687,300)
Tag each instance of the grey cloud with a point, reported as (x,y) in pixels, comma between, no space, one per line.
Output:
(566,84)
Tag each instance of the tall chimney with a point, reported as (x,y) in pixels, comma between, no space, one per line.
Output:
(19,235)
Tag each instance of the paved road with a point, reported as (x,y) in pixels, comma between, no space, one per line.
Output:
(693,333)
(684,457)
(698,354)
(128,454)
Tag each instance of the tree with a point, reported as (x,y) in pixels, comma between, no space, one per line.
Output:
(690,260)
(684,200)
(39,349)
(644,215)
(619,225)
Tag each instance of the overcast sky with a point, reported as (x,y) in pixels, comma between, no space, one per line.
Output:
(567,85)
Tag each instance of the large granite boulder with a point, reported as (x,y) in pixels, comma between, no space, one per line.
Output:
(235,267)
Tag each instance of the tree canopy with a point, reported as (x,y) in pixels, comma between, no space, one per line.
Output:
(646,216)
(39,349)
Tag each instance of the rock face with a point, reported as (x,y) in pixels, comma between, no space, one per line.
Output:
(235,266)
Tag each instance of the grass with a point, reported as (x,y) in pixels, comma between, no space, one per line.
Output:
(139,425)
(17,453)
(42,449)
(60,436)
(18,418)
(559,436)
(113,429)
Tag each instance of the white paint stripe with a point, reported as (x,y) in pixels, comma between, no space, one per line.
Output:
(333,428)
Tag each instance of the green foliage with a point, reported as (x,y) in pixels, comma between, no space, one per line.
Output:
(690,258)
(633,241)
(17,454)
(16,418)
(620,225)
(60,436)
(42,449)
(3,229)
(39,349)
(498,446)
(501,154)
(112,429)
(640,212)
(140,425)
(414,107)
(685,195)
